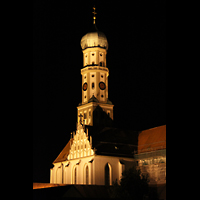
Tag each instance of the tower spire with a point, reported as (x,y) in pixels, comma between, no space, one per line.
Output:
(94,17)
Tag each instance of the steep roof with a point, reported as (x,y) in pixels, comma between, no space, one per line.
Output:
(152,139)
(121,143)
(114,141)
(64,153)
(107,141)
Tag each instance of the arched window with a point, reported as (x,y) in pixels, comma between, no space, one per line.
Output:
(75,176)
(59,175)
(87,175)
(108,175)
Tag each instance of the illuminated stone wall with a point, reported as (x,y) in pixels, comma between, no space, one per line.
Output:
(154,164)
(83,167)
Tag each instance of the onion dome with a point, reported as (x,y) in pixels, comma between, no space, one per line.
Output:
(94,38)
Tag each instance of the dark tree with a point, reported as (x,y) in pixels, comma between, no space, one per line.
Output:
(133,185)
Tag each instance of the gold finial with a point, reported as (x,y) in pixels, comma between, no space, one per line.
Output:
(94,15)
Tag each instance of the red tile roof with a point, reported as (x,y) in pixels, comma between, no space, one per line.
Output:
(152,139)
(116,142)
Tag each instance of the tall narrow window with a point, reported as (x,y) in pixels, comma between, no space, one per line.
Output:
(86,59)
(85,115)
(87,175)
(107,175)
(75,176)
(93,85)
(90,113)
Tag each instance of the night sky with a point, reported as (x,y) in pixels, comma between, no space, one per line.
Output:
(136,32)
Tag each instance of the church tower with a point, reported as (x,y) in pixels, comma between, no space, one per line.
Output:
(95,109)
(98,155)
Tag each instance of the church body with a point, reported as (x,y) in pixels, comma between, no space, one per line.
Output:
(97,153)
(81,163)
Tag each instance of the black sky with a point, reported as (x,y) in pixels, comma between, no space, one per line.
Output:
(136,32)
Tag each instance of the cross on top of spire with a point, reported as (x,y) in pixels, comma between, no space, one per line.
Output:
(94,17)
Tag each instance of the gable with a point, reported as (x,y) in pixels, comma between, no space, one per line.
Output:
(81,146)
(78,147)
